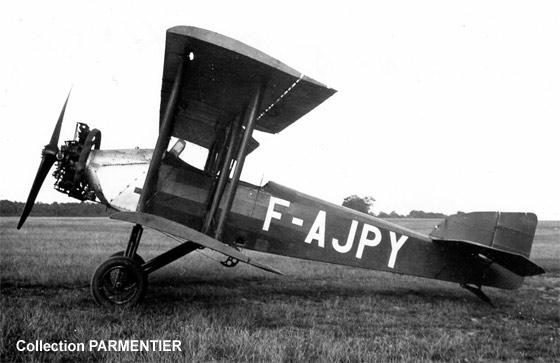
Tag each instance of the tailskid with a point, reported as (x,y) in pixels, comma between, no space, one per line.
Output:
(477,290)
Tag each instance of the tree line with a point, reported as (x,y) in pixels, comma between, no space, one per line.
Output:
(11,209)
(365,205)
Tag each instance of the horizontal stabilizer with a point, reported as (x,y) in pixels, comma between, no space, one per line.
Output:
(512,261)
(505,238)
(184,232)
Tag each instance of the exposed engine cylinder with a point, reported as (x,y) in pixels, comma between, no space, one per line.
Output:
(71,160)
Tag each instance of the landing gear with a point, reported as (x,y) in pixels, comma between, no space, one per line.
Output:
(119,281)
(136,257)
(123,278)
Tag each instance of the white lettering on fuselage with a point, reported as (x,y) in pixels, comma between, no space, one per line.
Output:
(365,241)
(370,236)
(349,241)
(271,213)
(297,221)
(317,231)
(395,247)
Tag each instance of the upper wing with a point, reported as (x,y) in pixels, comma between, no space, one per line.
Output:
(222,78)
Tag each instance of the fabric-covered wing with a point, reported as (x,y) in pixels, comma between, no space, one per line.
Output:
(222,78)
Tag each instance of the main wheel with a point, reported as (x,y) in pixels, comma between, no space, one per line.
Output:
(119,281)
(136,257)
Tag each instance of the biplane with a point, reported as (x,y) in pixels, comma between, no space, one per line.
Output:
(216,91)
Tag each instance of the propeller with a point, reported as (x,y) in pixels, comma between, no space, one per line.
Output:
(48,159)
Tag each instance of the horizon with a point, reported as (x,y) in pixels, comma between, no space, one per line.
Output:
(401,215)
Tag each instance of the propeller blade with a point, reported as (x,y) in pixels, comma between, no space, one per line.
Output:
(56,131)
(49,158)
(46,163)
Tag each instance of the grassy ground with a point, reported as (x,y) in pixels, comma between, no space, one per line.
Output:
(318,312)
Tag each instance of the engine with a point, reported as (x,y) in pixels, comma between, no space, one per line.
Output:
(71,163)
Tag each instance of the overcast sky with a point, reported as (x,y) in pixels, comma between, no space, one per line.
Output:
(441,106)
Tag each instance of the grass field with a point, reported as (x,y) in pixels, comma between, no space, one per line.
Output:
(318,312)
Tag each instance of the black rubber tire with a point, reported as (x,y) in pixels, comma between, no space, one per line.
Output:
(119,281)
(136,257)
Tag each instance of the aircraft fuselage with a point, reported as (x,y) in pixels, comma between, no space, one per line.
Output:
(279,220)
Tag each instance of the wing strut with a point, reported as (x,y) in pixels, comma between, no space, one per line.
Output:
(231,139)
(242,152)
(164,136)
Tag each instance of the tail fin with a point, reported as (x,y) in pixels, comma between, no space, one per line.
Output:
(505,238)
